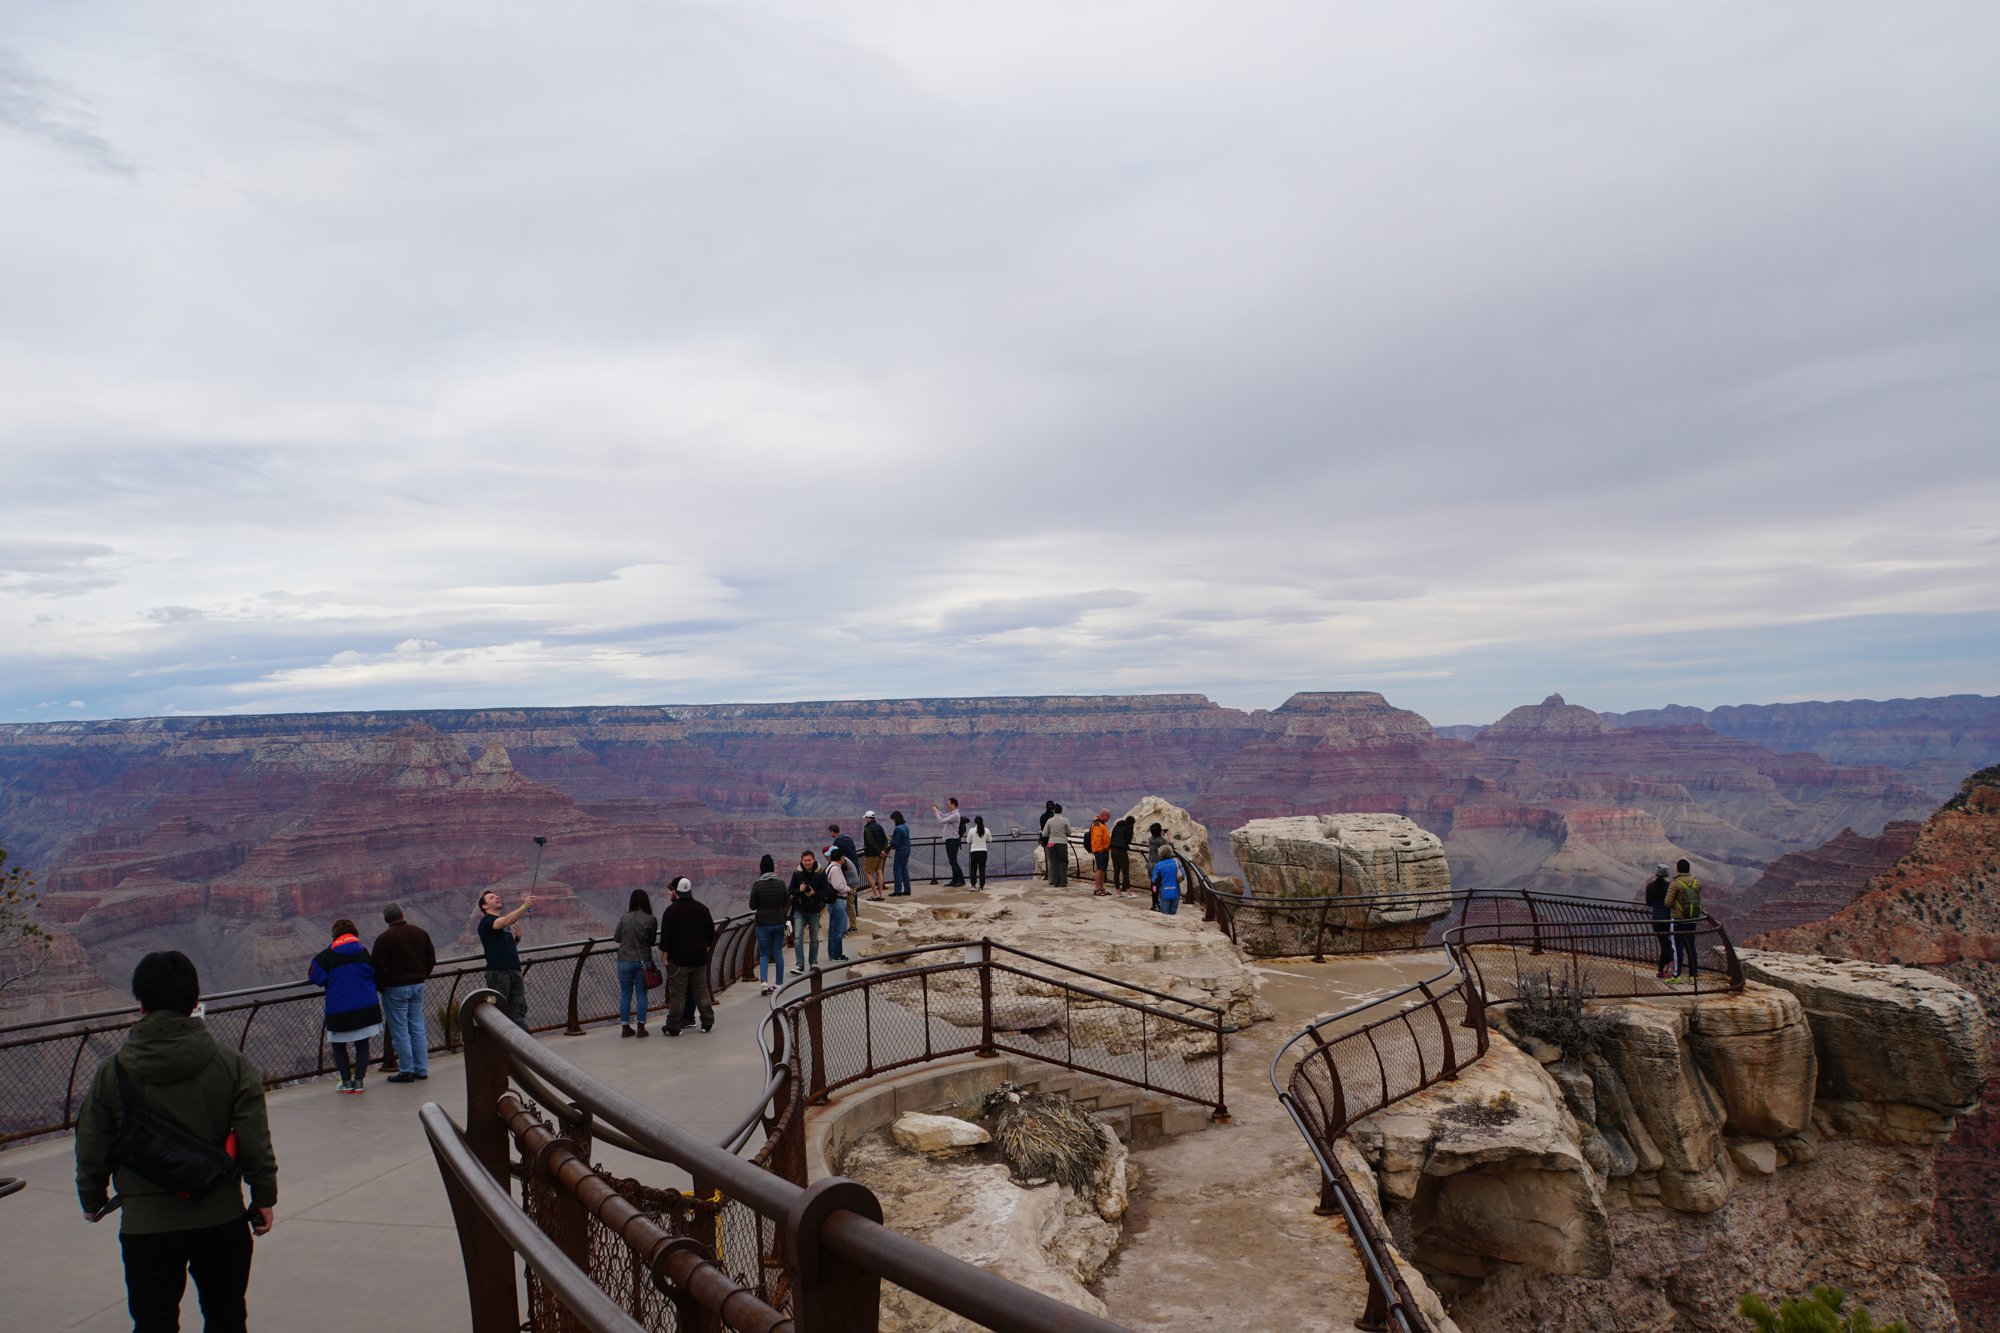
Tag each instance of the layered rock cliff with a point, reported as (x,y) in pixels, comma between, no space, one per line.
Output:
(235,836)
(1939,908)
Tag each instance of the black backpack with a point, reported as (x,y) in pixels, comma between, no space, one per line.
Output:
(150,1145)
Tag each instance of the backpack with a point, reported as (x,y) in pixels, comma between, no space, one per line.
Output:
(149,1144)
(1690,898)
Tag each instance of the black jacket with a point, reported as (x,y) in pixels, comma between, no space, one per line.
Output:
(770,901)
(875,838)
(686,932)
(810,892)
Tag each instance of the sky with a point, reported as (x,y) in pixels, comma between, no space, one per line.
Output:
(462,355)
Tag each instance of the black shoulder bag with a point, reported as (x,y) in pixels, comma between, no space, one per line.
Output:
(151,1145)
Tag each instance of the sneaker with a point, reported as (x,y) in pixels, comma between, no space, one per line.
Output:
(1661,974)
(767,989)
(346,1085)
(625,1029)
(672,1032)
(402,1078)
(709,1026)
(359,1087)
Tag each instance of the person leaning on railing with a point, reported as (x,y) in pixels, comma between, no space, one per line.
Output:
(212,1092)
(500,939)
(404,960)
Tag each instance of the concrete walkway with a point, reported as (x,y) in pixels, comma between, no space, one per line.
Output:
(364,1236)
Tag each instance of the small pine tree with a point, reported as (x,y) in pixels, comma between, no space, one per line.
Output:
(24,945)
(1820,1312)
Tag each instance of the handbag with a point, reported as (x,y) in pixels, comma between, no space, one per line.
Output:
(151,1145)
(654,977)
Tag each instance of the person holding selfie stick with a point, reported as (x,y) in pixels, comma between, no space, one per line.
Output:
(500,938)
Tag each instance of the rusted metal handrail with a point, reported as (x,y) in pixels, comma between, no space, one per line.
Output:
(827,1239)
(287,1019)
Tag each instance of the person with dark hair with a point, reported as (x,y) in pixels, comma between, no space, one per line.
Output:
(835,871)
(500,940)
(899,841)
(404,960)
(635,934)
(770,908)
(948,826)
(687,933)
(1121,854)
(345,971)
(1684,903)
(809,894)
(1097,839)
(1056,834)
(1157,845)
(976,839)
(172,1064)
(1656,907)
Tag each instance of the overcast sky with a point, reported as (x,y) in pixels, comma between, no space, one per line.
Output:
(391,356)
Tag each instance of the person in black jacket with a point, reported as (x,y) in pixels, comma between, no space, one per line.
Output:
(770,908)
(687,932)
(810,894)
(874,850)
(1656,906)
(1121,850)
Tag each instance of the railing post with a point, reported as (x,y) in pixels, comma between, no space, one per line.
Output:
(1375,1316)
(816,1080)
(1221,1116)
(490,1277)
(829,1294)
(1319,936)
(985,961)
(1534,920)
(574,1028)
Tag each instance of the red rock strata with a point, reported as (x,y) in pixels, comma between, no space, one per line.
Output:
(238,837)
(1939,908)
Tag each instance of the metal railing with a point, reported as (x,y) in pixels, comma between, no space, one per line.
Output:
(46,1066)
(1368,1057)
(751,1245)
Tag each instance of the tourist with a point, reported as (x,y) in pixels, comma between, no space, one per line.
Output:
(953,825)
(404,960)
(1121,852)
(836,904)
(500,939)
(1656,905)
(839,845)
(808,894)
(1098,839)
(1157,845)
(635,934)
(173,1063)
(1684,902)
(1166,878)
(1055,836)
(1042,824)
(976,839)
(874,847)
(770,908)
(687,932)
(899,842)
(353,1011)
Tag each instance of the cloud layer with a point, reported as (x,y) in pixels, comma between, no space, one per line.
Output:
(482,355)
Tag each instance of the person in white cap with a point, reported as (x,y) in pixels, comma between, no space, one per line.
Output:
(687,933)
(874,849)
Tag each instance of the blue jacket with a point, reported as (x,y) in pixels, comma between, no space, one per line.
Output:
(348,975)
(1167,874)
(900,839)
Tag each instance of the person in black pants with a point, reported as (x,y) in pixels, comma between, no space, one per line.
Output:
(1121,848)
(952,823)
(1656,906)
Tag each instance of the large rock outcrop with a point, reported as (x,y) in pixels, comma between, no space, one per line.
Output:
(1369,857)
(1716,1169)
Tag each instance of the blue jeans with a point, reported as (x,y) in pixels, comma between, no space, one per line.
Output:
(804,925)
(1170,903)
(771,951)
(403,1015)
(631,978)
(902,881)
(836,928)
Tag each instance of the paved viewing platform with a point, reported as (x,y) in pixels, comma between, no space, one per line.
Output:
(364,1229)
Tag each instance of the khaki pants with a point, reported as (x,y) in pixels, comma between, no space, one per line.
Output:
(679,980)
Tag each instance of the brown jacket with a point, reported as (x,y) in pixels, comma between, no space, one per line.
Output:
(403,956)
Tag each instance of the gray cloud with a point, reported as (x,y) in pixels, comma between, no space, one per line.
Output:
(757,352)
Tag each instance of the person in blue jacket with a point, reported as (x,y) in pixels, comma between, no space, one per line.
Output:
(353,1013)
(1167,883)
(899,843)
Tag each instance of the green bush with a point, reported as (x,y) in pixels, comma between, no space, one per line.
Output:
(1820,1312)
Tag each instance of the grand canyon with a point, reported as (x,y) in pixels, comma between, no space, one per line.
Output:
(238,838)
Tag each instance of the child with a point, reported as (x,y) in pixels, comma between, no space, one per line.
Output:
(1167,883)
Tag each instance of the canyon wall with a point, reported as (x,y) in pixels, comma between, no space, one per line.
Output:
(238,838)
(1938,908)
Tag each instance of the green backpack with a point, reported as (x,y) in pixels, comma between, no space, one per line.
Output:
(1689,889)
